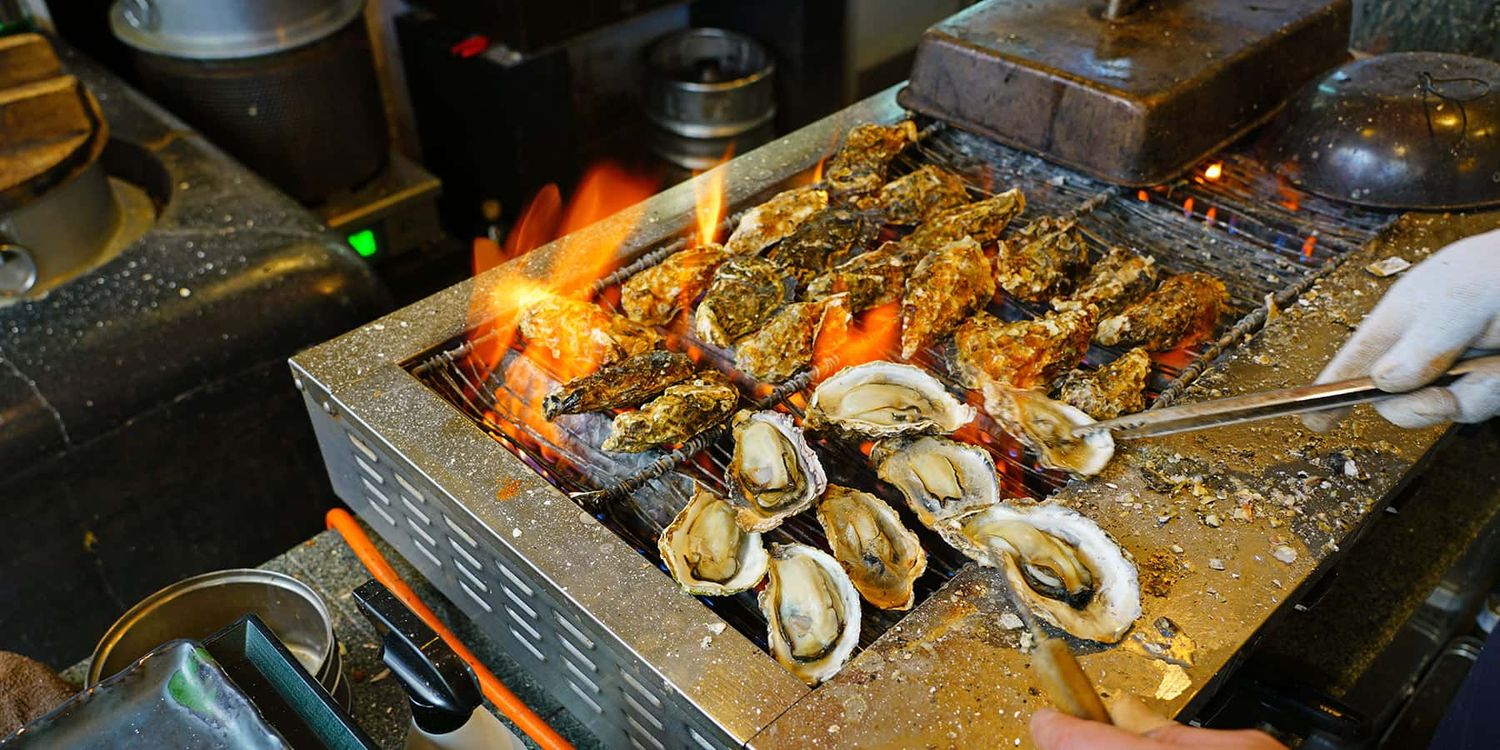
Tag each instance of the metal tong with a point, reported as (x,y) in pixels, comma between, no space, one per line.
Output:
(1267,404)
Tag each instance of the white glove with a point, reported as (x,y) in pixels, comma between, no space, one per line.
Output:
(1446,304)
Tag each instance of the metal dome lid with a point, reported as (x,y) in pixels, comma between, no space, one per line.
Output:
(225,29)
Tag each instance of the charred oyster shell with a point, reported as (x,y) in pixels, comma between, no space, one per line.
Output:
(1045,426)
(918,196)
(785,345)
(682,411)
(1040,259)
(947,286)
(1062,565)
(707,552)
(822,242)
(773,472)
(1021,353)
(745,291)
(1118,279)
(654,296)
(1182,311)
(778,217)
(885,399)
(626,383)
(939,478)
(812,612)
(982,220)
(870,279)
(1114,389)
(883,558)
(860,164)
(573,330)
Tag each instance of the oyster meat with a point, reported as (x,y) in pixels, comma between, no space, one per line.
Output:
(946,286)
(654,296)
(1114,389)
(940,478)
(870,279)
(1045,426)
(1041,258)
(918,196)
(1064,567)
(785,344)
(860,164)
(884,399)
(707,552)
(628,382)
(773,473)
(574,330)
(822,242)
(883,558)
(1183,310)
(812,612)
(983,220)
(745,291)
(682,411)
(1118,279)
(1022,353)
(767,223)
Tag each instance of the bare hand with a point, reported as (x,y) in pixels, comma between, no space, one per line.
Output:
(1136,727)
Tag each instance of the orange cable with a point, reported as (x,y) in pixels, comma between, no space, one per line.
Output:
(529,722)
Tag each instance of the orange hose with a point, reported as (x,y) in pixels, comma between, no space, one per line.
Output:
(538,730)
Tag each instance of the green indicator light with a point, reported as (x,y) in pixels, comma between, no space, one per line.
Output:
(364,243)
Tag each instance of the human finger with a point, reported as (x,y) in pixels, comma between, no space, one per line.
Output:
(1421,408)
(1478,396)
(1054,730)
(1179,736)
(1380,330)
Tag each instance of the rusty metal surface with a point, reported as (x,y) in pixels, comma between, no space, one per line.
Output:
(1133,102)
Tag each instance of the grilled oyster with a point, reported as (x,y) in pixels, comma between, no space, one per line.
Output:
(822,242)
(884,399)
(1062,565)
(654,296)
(707,552)
(940,478)
(918,196)
(1118,279)
(1040,259)
(1114,389)
(625,383)
(773,472)
(767,223)
(785,345)
(983,220)
(870,279)
(812,612)
(1023,353)
(860,164)
(1182,311)
(745,291)
(1045,426)
(573,330)
(946,286)
(882,557)
(682,411)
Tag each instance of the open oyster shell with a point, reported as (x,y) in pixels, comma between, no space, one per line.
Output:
(1061,564)
(884,399)
(1045,426)
(883,558)
(940,478)
(707,552)
(773,473)
(812,612)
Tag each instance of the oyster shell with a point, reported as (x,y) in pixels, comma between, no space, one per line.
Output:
(625,383)
(870,279)
(882,557)
(1045,427)
(884,399)
(812,612)
(1040,259)
(1062,565)
(745,291)
(1183,310)
(767,223)
(822,242)
(1022,353)
(574,330)
(860,164)
(983,220)
(773,473)
(682,411)
(654,296)
(1114,389)
(918,196)
(1118,279)
(946,286)
(940,478)
(707,552)
(785,344)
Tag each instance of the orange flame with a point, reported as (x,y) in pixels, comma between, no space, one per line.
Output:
(1214,171)
(708,203)
(873,334)
(1308,245)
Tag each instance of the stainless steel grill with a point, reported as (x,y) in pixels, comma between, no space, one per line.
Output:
(549,543)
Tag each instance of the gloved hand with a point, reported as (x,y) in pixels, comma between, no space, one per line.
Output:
(1137,727)
(1446,304)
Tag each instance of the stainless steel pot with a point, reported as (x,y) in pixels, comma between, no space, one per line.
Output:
(709,83)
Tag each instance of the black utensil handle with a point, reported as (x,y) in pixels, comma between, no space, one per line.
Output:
(443,690)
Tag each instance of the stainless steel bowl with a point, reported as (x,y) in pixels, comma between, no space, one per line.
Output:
(197,607)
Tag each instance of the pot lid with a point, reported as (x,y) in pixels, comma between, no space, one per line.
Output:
(225,29)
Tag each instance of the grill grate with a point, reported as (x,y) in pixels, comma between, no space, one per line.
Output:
(1246,226)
